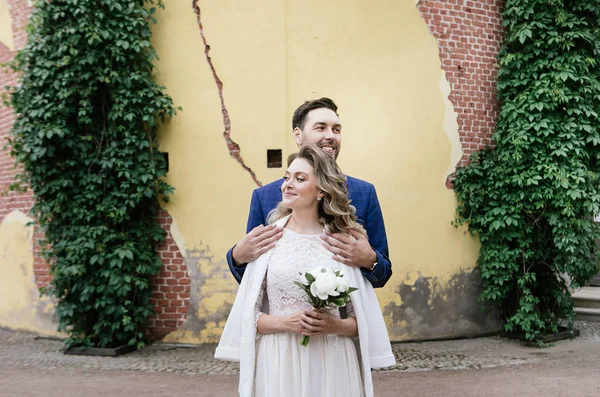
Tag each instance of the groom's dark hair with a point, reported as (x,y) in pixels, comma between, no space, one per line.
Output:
(299,118)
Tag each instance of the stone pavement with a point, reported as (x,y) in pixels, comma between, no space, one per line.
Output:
(18,349)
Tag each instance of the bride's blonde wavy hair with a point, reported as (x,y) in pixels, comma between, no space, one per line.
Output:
(336,213)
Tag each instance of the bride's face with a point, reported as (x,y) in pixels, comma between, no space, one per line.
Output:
(299,189)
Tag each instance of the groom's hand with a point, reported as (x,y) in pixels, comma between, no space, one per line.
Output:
(254,244)
(352,250)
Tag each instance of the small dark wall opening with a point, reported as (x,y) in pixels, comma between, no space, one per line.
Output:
(274,158)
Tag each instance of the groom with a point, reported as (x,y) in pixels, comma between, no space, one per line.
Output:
(317,122)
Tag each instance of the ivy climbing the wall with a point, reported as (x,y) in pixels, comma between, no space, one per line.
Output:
(532,198)
(86,137)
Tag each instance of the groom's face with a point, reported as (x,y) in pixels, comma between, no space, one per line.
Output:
(323,129)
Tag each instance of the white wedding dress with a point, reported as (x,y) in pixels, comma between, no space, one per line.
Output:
(328,366)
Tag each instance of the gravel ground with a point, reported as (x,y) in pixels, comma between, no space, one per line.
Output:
(18,349)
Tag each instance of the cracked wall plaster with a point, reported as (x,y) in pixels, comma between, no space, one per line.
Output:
(234,148)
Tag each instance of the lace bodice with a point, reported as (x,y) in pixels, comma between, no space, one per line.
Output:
(293,254)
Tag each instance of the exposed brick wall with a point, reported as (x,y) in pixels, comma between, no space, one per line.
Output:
(20,12)
(469,35)
(171,296)
(171,287)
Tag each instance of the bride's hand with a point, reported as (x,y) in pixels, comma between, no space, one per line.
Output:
(292,323)
(319,322)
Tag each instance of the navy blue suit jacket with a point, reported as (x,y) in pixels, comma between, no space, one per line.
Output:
(368,212)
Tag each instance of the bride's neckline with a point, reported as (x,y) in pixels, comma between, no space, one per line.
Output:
(287,229)
(287,224)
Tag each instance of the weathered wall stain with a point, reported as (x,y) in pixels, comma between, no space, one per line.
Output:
(430,308)
(211,298)
(20,305)
(6,27)
(234,148)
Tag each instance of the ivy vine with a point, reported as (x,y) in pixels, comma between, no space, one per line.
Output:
(86,137)
(532,198)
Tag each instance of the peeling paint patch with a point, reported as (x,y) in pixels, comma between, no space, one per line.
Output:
(20,305)
(450,120)
(6,33)
(468,36)
(450,128)
(234,148)
(211,298)
(178,237)
(431,309)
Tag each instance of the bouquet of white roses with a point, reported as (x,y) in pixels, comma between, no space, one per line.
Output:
(325,287)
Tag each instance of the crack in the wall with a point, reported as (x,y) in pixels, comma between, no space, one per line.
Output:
(234,148)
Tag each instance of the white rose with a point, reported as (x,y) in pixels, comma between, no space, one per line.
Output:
(324,286)
(342,284)
(319,270)
(303,279)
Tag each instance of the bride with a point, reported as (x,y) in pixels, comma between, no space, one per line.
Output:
(271,314)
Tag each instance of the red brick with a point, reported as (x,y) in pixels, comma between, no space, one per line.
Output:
(169,316)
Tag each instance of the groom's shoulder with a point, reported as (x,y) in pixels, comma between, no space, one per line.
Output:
(358,184)
(270,188)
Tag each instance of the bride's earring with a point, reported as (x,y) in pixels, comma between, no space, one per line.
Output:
(318,198)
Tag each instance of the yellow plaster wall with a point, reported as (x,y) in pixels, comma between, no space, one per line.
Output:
(6,33)
(377,61)
(20,305)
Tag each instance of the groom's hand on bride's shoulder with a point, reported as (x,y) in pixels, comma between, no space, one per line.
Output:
(353,250)
(258,241)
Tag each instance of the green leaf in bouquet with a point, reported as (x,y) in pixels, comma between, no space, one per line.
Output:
(299,284)
(351,290)
(309,277)
(345,297)
(338,302)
